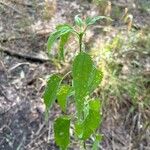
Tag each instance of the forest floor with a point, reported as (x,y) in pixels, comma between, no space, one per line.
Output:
(24,67)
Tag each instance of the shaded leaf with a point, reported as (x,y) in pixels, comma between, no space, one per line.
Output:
(61,131)
(90,21)
(51,90)
(63,41)
(98,139)
(61,30)
(95,79)
(62,26)
(62,95)
(78,21)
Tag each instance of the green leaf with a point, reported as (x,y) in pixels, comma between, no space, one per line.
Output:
(63,41)
(90,21)
(85,78)
(78,21)
(51,90)
(62,95)
(95,105)
(95,79)
(61,30)
(61,131)
(98,139)
(81,72)
(52,38)
(92,121)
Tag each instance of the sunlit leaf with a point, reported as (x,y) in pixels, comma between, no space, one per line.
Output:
(51,90)
(95,105)
(78,21)
(62,95)
(81,71)
(61,132)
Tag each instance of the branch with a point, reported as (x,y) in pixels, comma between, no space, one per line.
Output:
(14,9)
(20,55)
(22,3)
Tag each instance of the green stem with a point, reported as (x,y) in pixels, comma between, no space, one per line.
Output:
(80,40)
(82,145)
(65,75)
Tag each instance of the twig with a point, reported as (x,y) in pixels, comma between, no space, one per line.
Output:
(119,5)
(18,65)
(3,94)
(49,131)
(13,38)
(34,139)
(139,136)
(20,55)
(7,5)
(21,145)
(40,129)
(21,3)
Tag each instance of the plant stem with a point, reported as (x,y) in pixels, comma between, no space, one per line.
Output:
(65,75)
(80,40)
(82,145)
